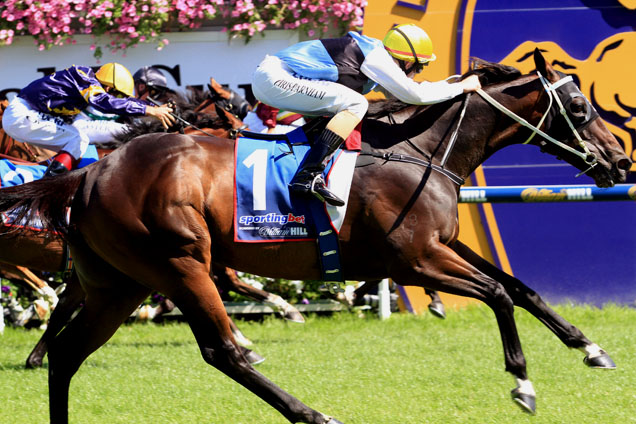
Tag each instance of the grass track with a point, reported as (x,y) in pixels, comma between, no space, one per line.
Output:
(409,369)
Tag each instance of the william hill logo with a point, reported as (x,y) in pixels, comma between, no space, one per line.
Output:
(533,194)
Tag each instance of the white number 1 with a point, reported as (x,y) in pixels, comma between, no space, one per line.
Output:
(258,159)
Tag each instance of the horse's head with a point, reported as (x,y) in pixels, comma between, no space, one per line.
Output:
(573,120)
(604,77)
(228,99)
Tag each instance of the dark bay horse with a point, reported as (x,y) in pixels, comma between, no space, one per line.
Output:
(156,213)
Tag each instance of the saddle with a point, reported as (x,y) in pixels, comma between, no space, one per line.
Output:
(312,130)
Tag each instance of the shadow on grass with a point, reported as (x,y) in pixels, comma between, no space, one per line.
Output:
(116,344)
(19,366)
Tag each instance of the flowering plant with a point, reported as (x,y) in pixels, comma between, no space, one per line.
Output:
(129,22)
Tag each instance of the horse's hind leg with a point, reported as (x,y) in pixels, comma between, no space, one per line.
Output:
(69,301)
(201,304)
(529,300)
(105,309)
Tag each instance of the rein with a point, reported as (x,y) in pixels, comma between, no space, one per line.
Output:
(588,157)
(390,156)
(233,133)
(396,157)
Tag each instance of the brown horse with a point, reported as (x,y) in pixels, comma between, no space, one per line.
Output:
(45,251)
(156,214)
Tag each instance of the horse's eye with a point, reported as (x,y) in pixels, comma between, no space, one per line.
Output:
(577,108)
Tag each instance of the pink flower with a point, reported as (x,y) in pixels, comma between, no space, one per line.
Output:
(54,22)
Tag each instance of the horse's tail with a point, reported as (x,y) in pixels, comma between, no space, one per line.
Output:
(42,203)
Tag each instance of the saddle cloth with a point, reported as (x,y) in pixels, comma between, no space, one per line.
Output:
(18,172)
(263,208)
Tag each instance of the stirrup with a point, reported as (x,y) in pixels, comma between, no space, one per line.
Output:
(320,190)
(317,187)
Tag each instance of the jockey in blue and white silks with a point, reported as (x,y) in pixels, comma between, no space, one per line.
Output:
(42,112)
(328,77)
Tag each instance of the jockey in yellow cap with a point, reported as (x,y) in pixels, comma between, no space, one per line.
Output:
(330,76)
(42,112)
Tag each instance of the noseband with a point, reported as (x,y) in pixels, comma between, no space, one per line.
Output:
(588,157)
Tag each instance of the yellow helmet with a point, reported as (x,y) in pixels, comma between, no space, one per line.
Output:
(116,75)
(408,42)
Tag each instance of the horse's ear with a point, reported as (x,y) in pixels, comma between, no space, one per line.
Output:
(219,90)
(539,61)
(543,67)
(214,86)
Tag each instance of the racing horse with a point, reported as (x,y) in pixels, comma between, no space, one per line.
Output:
(156,218)
(46,251)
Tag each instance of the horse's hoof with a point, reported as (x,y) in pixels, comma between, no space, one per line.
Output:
(602,361)
(437,309)
(241,340)
(33,363)
(254,358)
(294,316)
(525,401)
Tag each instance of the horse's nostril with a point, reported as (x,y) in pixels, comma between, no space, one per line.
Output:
(624,164)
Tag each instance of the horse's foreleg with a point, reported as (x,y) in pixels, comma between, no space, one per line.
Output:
(436,307)
(441,268)
(69,301)
(529,300)
(33,281)
(287,311)
(239,337)
(228,280)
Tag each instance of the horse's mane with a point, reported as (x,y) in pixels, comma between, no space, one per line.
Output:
(488,72)
(186,103)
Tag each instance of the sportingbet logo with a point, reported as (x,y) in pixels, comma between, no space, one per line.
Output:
(271,218)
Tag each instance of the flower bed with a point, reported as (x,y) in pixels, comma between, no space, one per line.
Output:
(128,22)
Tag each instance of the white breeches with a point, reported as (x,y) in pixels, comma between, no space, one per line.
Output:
(28,125)
(274,83)
(100,130)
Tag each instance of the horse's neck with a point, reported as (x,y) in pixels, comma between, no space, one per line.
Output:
(485,130)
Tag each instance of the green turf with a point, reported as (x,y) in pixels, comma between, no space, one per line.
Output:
(407,369)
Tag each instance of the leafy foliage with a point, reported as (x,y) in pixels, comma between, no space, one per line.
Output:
(129,22)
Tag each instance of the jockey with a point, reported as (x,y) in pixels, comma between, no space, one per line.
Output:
(150,81)
(330,76)
(102,127)
(41,113)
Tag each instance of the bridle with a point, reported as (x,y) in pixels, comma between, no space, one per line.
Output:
(551,89)
(588,157)
(232,133)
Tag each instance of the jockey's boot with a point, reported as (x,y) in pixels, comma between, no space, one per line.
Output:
(61,163)
(308,180)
